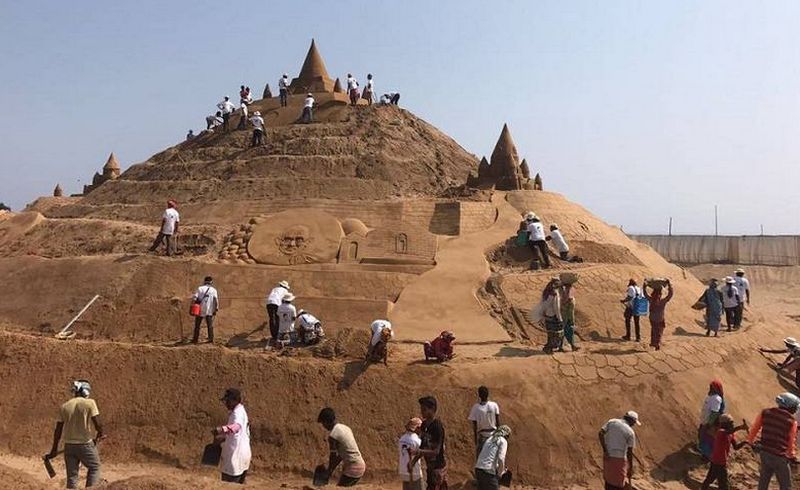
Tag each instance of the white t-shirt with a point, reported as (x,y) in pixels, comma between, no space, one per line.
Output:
(171,217)
(385,99)
(309,102)
(633,291)
(485,415)
(370,85)
(407,441)
(244,109)
(346,444)
(236,448)
(492,454)
(535,231)
(283,84)
(286,316)
(276,295)
(352,83)
(730,299)
(559,241)
(743,285)
(209,299)
(226,106)
(257,122)
(377,327)
(619,437)
(712,403)
(307,322)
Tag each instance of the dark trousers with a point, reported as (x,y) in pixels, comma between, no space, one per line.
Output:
(395,99)
(612,487)
(347,481)
(730,315)
(486,480)
(718,473)
(628,315)
(225,118)
(777,466)
(284,97)
(308,115)
(235,479)
(242,122)
(539,249)
(737,316)
(76,455)
(272,314)
(198,320)
(258,138)
(160,238)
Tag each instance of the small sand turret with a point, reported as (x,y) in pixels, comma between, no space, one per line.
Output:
(537,183)
(525,168)
(267,93)
(337,86)
(58,192)
(111,169)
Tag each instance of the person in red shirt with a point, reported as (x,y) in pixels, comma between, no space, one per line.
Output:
(441,348)
(776,446)
(723,441)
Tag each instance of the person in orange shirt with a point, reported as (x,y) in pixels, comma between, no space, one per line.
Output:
(778,428)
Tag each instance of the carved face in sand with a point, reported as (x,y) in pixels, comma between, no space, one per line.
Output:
(293,242)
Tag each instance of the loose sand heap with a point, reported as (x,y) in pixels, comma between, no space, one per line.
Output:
(365,213)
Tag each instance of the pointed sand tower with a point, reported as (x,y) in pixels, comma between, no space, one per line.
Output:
(337,86)
(505,163)
(111,169)
(313,75)
(525,168)
(58,192)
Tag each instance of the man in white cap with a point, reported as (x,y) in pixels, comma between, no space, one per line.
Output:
(310,328)
(283,87)
(776,446)
(743,285)
(537,241)
(308,109)
(227,108)
(618,441)
(287,314)
(274,300)
(258,129)
(80,435)
(378,344)
(730,301)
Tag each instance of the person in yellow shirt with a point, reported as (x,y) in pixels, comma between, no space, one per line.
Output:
(79,424)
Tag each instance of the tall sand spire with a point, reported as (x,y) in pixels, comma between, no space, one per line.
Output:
(505,162)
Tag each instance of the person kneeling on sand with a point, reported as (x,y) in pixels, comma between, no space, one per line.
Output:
(378,349)
(309,328)
(618,441)
(441,348)
(723,441)
(343,449)
(235,439)
(777,444)
(76,420)
(491,463)
(410,442)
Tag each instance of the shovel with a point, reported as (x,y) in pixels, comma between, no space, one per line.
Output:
(48,465)
(505,480)
(321,476)
(212,453)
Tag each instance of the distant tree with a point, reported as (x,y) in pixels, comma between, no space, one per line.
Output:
(3,207)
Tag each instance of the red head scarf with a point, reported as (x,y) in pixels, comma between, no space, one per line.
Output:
(716,387)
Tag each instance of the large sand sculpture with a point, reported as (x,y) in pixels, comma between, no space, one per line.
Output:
(367,213)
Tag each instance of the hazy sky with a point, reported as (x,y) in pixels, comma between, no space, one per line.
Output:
(637,110)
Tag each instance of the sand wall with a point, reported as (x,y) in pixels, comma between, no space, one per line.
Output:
(749,250)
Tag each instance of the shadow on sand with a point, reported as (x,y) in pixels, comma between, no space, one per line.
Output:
(678,465)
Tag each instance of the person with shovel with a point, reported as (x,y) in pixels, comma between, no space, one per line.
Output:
(79,424)
(618,441)
(235,439)
(170,222)
(343,449)
(491,463)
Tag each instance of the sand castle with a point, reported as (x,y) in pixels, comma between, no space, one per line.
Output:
(370,212)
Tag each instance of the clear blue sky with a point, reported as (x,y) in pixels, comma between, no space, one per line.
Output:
(637,110)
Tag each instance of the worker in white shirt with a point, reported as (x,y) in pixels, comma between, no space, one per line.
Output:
(287,314)
(207,297)
(213,121)
(309,328)
(559,241)
(731,301)
(274,300)
(243,117)
(369,90)
(352,89)
(743,285)
(537,241)
(258,129)
(485,417)
(308,109)
(378,348)
(283,86)
(170,221)
(227,108)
